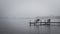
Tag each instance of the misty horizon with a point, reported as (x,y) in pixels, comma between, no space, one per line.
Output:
(29,8)
(55,17)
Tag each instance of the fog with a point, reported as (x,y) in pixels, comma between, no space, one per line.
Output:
(29,8)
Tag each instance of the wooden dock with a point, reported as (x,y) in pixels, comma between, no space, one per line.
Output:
(48,22)
(45,23)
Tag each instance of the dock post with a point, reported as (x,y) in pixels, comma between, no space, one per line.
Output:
(34,24)
(48,21)
(30,23)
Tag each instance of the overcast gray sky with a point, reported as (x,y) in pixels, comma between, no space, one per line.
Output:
(29,8)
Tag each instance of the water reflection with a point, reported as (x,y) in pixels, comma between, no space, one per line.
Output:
(21,26)
(41,29)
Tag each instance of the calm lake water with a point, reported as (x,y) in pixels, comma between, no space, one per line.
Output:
(21,26)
